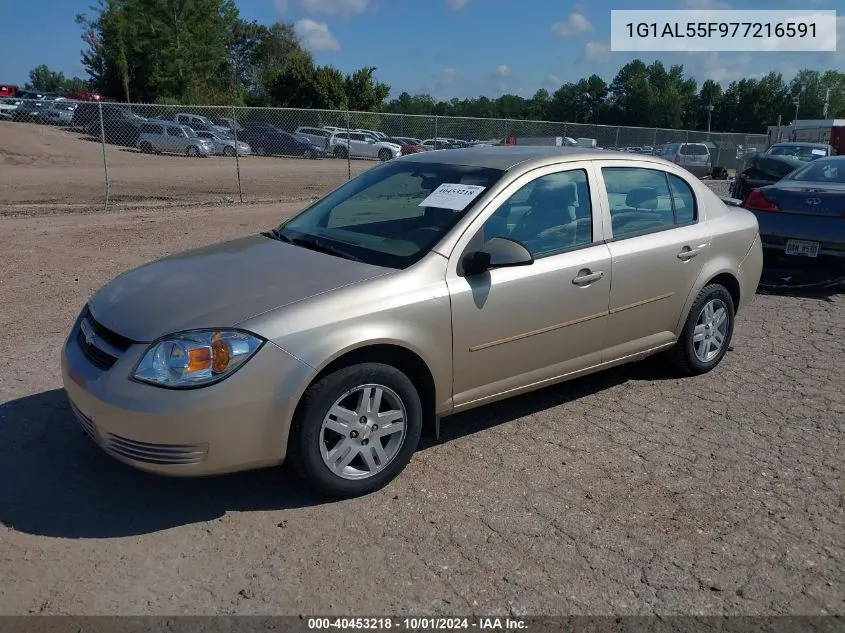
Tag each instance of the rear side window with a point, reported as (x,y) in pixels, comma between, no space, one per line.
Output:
(645,201)
(692,149)
(150,128)
(174,131)
(683,200)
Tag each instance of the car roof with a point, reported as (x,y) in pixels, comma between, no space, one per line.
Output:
(505,157)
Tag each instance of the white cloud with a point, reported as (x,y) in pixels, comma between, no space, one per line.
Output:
(575,24)
(316,36)
(503,71)
(595,52)
(457,5)
(343,9)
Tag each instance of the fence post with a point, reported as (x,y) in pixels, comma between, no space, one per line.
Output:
(348,147)
(105,161)
(237,159)
(435,130)
(654,143)
(616,142)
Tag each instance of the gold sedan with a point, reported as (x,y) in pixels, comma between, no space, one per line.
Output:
(428,285)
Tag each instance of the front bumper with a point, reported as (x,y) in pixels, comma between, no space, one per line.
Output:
(238,424)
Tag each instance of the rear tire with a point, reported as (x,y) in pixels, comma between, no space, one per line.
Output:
(707,333)
(308,154)
(146,148)
(340,152)
(229,151)
(315,434)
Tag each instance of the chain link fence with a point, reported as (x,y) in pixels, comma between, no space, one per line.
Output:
(166,154)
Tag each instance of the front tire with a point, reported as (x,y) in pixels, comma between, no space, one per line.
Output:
(707,332)
(229,151)
(340,152)
(192,151)
(356,430)
(308,154)
(384,155)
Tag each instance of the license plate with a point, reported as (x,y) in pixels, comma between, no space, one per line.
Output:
(802,248)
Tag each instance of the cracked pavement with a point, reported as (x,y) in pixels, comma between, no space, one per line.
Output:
(630,492)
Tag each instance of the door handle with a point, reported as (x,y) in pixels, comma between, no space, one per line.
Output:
(586,277)
(688,253)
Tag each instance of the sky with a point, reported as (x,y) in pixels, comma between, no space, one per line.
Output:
(446,48)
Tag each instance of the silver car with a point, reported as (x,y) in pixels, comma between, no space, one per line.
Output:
(157,137)
(58,112)
(694,157)
(426,286)
(225,144)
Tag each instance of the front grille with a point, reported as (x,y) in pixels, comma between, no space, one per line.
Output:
(155,453)
(97,356)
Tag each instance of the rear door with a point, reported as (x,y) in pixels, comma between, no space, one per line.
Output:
(658,245)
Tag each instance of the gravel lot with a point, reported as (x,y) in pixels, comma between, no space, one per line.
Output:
(628,492)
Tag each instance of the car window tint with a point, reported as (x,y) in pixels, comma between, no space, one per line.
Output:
(549,215)
(692,149)
(174,131)
(640,201)
(683,199)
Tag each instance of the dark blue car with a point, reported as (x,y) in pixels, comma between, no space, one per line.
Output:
(283,144)
(802,224)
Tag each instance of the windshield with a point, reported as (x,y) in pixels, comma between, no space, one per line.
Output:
(822,170)
(803,152)
(191,132)
(378,218)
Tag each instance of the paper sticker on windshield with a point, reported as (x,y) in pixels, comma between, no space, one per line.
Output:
(818,152)
(452,196)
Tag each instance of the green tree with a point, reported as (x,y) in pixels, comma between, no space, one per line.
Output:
(363,92)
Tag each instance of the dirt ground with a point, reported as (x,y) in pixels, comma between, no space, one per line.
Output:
(46,168)
(628,492)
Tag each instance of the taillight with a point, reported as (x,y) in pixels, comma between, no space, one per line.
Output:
(759,202)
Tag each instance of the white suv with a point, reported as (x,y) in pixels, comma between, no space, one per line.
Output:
(361,145)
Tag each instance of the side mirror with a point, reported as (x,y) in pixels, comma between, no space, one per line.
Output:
(499,252)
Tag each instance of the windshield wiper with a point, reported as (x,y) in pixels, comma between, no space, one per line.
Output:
(276,234)
(314,244)
(311,243)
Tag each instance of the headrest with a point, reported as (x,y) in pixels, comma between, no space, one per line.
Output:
(561,194)
(642,198)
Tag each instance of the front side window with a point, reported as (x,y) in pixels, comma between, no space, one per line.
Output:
(377,217)
(549,215)
(174,131)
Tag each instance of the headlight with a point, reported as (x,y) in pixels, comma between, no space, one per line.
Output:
(197,358)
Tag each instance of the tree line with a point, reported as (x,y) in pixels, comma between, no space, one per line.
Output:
(203,52)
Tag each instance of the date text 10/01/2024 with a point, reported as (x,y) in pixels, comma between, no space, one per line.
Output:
(721,29)
(417,623)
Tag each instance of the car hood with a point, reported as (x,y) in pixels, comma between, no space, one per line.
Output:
(219,286)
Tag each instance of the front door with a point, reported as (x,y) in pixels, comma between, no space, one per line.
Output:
(658,245)
(520,326)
